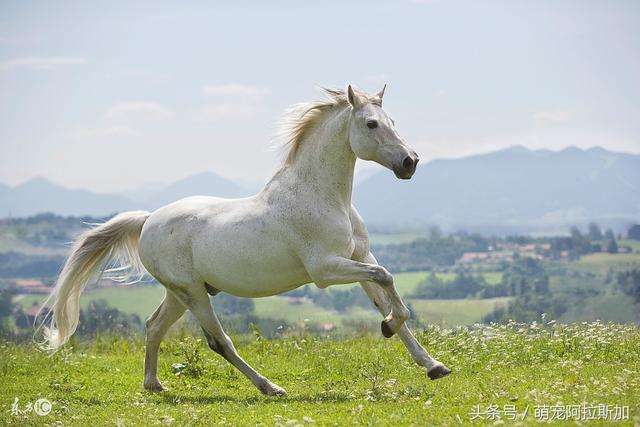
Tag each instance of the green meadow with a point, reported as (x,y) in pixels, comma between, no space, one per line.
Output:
(142,299)
(514,374)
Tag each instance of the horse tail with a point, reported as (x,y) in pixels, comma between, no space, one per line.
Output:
(114,243)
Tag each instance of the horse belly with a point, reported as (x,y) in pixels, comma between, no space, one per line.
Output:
(248,266)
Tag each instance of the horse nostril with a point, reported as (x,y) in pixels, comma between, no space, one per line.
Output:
(407,163)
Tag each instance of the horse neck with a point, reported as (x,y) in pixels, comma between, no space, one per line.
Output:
(325,162)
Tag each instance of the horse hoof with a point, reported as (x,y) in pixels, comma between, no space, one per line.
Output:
(155,387)
(386,329)
(278,391)
(270,389)
(438,371)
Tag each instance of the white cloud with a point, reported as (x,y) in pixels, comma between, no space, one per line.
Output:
(150,110)
(552,117)
(236,90)
(105,132)
(40,63)
(216,112)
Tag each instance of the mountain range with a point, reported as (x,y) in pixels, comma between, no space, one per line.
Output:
(511,188)
(41,195)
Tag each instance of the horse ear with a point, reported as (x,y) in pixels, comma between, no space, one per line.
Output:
(378,96)
(381,93)
(353,98)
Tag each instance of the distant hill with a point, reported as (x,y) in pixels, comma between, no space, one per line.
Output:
(202,184)
(41,195)
(510,188)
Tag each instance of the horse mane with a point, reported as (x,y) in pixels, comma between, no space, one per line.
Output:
(301,118)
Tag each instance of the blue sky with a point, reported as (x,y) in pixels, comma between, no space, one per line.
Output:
(115,95)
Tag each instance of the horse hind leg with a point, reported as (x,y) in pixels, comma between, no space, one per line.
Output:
(170,310)
(219,341)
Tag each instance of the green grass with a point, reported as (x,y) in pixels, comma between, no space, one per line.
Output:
(440,312)
(454,312)
(493,277)
(608,307)
(599,263)
(282,308)
(362,381)
(139,299)
(11,243)
(407,282)
(392,238)
(633,244)
(142,300)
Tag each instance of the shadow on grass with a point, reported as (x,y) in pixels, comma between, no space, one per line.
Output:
(177,399)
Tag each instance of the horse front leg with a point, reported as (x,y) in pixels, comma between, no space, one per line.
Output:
(338,270)
(435,369)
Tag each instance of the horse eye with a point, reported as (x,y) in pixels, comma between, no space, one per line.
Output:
(372,124)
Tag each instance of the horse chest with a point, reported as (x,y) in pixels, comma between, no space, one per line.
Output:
(333,232)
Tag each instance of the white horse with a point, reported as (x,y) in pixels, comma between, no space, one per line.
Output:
(300,228)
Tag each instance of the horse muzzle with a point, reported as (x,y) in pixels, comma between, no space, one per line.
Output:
(407,168)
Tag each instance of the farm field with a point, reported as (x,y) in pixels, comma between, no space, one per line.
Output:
(283,308)
(516,370)
(633,244)
(139,299)
(600,263)
(142,299)
(392,238)
(452,312)
(610,308)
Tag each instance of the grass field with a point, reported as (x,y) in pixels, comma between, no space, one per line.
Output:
(599,263)
(142,299)
(454,312)
(139,299)
(610,307)
(281,308)
(633,244)
(392,238)
(504,370)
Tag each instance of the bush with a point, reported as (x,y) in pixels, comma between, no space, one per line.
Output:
(100,317)
(462,286)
